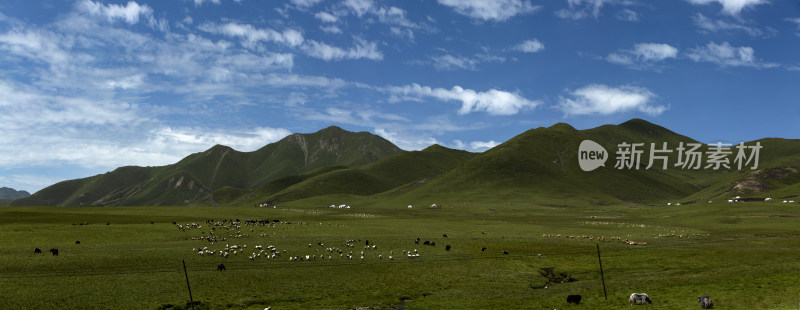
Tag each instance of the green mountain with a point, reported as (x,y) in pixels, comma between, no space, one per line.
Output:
(542,165)
(194,179)
(399,172)
(9,194)
(539,165)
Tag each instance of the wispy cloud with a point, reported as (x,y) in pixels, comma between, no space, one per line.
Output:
(252,35)
(363,50)
(605,100)
(305,3)
(529,46)
(359,7)
(727,55)
(731,7)
(491,10)
(450,62)
(326,17)
(130,13)
(643,55)
(627,15)
(708,25)
(580,9)
(493,101)
(795,21)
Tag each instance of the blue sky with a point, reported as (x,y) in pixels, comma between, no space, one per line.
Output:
(90,85)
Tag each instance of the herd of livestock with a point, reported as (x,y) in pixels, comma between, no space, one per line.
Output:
(224,230)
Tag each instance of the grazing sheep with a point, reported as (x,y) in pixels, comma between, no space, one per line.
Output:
(705,302)
(483,249)
(505,252)
(444,235)
(37,251)
(220,266)
(639,299)
(574,299)
(539,256)
(54,251)
(447,247)
(77,242)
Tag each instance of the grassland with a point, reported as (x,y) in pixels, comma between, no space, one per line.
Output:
(743,255)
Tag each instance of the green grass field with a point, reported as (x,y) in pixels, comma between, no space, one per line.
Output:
(745,256)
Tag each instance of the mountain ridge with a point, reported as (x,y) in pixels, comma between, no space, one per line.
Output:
(538,164)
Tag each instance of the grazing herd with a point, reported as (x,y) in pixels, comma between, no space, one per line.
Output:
(234,227)
(54,251)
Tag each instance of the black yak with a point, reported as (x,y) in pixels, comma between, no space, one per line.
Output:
(574,299)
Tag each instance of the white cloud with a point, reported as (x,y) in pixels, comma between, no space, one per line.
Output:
(253,35)
(331,29)
(36,45)
(579,9)
(493,101)
(129,13)
(360,7)
(731,7)
(795,21)
(407,141)
(491,10)
(450,62)
(326,17)
(129,82)
(199,138)
(402,32)
(604,100)
(727,55)
(305,3)
(628,15)
(482,145)
(708,25)
(363,50)
(394,16)
(200,2)
(529,46)
(643,55)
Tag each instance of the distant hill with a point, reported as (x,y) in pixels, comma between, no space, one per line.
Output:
(402,170)
(539,165)
(9,194)
(193,179)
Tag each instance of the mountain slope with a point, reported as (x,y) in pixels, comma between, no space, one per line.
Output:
(193,179)
(9,194)
(382,175)
(541,165)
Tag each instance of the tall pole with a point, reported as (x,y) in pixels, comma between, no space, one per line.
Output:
(602,277)
(191,301)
